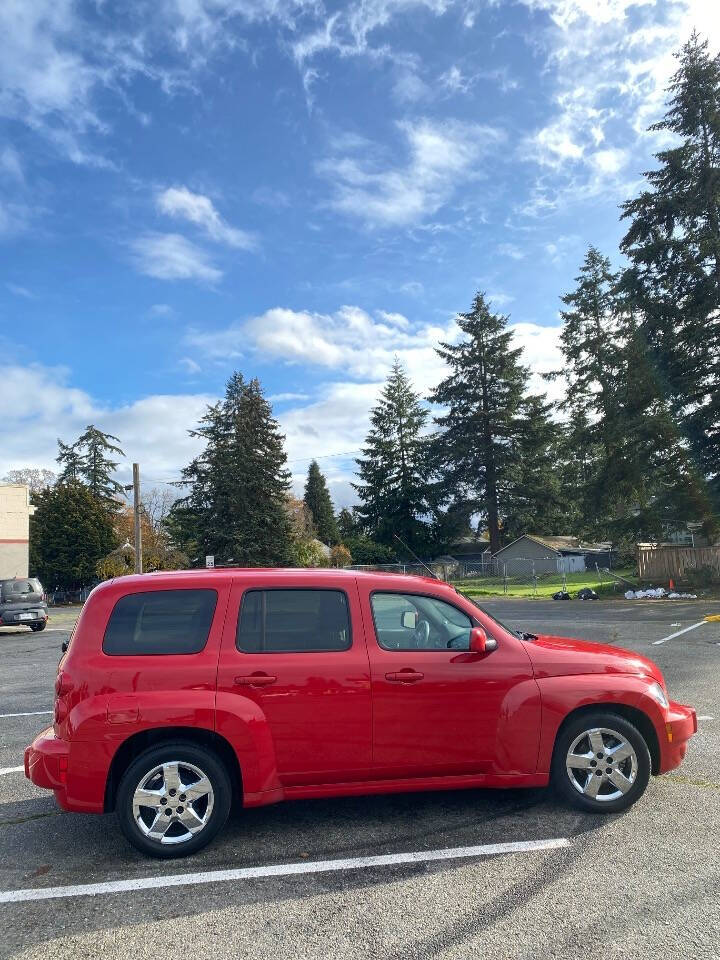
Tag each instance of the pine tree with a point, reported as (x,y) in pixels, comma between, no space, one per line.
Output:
(318,502)
(673,243)
(394,486)
(236,508)
(70,532)
(347,524)
(89,460)
(591,342)
(476,453)
(534,501)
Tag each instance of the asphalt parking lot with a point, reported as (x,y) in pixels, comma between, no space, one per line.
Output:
(645,883)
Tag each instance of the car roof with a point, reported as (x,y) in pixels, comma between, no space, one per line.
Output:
(267,574)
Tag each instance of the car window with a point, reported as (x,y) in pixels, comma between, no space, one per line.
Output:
(20,587)
(160,622)
(404,621)
(293,621)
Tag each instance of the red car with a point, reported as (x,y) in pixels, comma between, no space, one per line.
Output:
(181,691)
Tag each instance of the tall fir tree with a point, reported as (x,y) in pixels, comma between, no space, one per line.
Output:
(534,500)
(394,487)
(70,531)
(90,460)
(673,244)
(237,508)
(317,500)
(475,454)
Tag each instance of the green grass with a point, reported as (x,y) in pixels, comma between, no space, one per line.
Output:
(547,585)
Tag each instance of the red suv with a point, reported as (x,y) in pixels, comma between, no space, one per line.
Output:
(181,691)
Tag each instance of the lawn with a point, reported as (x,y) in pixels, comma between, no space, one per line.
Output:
(547,584)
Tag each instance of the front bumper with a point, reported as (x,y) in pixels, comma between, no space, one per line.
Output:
(46,763)
(680,725)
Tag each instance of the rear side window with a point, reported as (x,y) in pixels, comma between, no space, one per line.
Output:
(293,621)
(160,622)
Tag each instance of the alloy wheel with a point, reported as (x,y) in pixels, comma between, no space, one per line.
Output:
(173,802)
(601,764)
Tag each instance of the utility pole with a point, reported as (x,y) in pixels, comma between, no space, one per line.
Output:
(138,528)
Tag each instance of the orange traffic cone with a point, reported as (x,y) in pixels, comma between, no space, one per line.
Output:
(672,584)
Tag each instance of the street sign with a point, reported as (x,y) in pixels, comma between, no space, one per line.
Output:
(210,561)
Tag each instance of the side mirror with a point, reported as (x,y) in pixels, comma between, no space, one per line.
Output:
(409,619)
(480,642)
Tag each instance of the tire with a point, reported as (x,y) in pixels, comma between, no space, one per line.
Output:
(37,627)
(176,766)
(589,746)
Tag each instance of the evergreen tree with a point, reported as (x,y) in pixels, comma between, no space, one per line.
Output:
(347,524)
(70,462)
(534,501)
(318,502)
(673,243)
(237,505)
(89,460)
(476,452)
(394,486)
(70,532)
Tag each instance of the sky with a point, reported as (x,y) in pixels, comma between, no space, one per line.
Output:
(300,191)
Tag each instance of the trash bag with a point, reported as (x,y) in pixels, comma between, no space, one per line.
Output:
(561,595)
(587,594)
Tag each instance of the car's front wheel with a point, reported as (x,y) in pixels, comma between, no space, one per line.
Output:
(173,799)
(601,762)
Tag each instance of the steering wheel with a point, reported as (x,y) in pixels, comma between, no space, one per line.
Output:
(421,635)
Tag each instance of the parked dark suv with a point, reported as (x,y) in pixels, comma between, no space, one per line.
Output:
(22,603)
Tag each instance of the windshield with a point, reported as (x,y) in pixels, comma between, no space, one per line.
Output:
(506,628)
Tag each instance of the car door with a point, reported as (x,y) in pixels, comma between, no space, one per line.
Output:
(299,653)
(438,708)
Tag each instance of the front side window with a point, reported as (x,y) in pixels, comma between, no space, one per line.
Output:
(160,622)
(293,621)
(404,621)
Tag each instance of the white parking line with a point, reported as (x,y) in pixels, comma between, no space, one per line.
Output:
(33,713)
(279,870)
(11,770)
(679,633)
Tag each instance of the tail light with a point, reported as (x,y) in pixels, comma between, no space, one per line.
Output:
(63,686)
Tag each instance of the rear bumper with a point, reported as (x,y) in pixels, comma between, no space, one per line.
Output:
(46,763)
(680,725)
(23,617)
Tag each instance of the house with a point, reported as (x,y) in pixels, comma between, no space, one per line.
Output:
(15,513)
(471,549)
(533,554)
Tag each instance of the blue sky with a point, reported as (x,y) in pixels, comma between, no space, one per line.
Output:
(300,191)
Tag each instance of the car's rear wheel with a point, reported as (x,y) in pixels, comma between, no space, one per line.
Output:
(173,799)
(37,627)
(601,762)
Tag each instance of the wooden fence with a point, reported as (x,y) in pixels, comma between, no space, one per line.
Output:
(664,563)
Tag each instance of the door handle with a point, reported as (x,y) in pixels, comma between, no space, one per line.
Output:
(404,676)
(254,680)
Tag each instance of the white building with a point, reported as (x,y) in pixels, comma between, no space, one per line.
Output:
(15,513)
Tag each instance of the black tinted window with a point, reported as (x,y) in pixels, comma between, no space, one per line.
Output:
(293,621)
(160,622)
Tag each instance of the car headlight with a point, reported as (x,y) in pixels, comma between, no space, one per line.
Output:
(657,693)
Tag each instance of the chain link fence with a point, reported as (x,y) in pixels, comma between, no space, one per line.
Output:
(519,577)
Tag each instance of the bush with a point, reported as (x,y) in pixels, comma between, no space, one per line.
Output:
(698,577)
(363,550)
(340,556)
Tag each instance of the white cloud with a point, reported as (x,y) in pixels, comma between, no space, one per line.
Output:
(441,155)
(10,164)
(510,250)
(152,430)
(181,203)
(170,256)
(20,291)
(611,74)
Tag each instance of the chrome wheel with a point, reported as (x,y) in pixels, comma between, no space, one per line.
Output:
(601,764)
(173,802)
